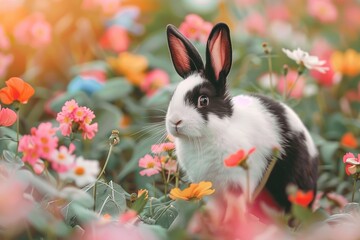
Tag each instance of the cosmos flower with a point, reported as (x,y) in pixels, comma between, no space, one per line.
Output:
(304,59)
(151,164)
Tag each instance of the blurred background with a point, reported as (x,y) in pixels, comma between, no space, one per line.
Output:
(112,56)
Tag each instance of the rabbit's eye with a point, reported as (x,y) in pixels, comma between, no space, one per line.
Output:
(203,101)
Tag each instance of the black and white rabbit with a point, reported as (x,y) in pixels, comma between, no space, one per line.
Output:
(209,125)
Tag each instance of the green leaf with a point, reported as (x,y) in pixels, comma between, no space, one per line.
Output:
(78,196)
(301,213)
(186,210)
(12,160)
(165,215)
(328,150)
(75,214)
(114,89)
(110,198)
(140,203)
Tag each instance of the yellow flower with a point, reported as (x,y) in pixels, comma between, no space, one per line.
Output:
(346,63)
(143,191)
(194,191)
(132,66)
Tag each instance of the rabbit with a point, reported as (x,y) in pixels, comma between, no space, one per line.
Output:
(208,124)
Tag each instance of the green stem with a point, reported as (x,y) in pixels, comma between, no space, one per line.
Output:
(353,192)
(101,173)
(270,74)
(17,131)
(292,87)
(177,178)
(164,180)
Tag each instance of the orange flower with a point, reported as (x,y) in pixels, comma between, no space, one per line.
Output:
(348,140)
(194,191)
(301,198)
(131,66)
(347,63)
(238,158)
(143,191)
(16,90)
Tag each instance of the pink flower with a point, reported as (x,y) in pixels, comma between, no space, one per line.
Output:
(99,75)
(351,163)
(195,28)
(4,40)
(323,10)
(289,81)
(7,117)
(151,164)
(128,216)
(154,80)
(39,167)
(34,31)
(115,39)
(29,149)
(5,61)
(255,24)
(63,159)
(278,12)
(162,147)
(45,139)
(73,118)
(171,166)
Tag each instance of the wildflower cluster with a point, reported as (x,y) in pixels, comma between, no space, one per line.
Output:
(73,119)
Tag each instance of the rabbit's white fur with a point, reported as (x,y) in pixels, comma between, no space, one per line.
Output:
(202,146)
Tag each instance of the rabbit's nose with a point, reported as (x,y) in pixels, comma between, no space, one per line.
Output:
(178,122)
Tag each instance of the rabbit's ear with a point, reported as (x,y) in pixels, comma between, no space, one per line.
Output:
(186,59)
(218,54)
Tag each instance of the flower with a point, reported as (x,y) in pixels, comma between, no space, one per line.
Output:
(301,198)
(7,117)
(346,63)
(143,191)
(151,164)
(154,80)
(115,39)
(40,144)
(131,66)
(128,216)
(84,172)
(304,59)
(348,140)
(74,118)
(16,90)
(324,11)
(86,84)
(239,158)
(351,163)
(62,160)
(34,31)
(162,147)
(289,83)
(255,24)
(39,167)
(195,191)
(195,28)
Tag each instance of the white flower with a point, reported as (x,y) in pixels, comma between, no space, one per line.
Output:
(310,62)
(83,172)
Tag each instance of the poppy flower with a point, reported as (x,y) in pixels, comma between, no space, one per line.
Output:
(301,198)
(194,191)
(16,90)
(238,158)
(7,117)
(348,140)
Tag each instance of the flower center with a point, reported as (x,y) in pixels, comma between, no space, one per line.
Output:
(80,171)
(150,165)
(61,156)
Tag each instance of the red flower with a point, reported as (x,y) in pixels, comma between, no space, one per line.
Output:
(7,117)
(301,198)
(348,140)
(238,158)
(16,90)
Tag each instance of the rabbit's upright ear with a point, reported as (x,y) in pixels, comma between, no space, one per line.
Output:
(186,59)
(218,54)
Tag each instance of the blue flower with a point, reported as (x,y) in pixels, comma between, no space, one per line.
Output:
(86,84)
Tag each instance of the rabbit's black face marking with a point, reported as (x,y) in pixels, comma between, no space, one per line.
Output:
(219,103)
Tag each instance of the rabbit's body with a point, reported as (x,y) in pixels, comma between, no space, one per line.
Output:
(209,125)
